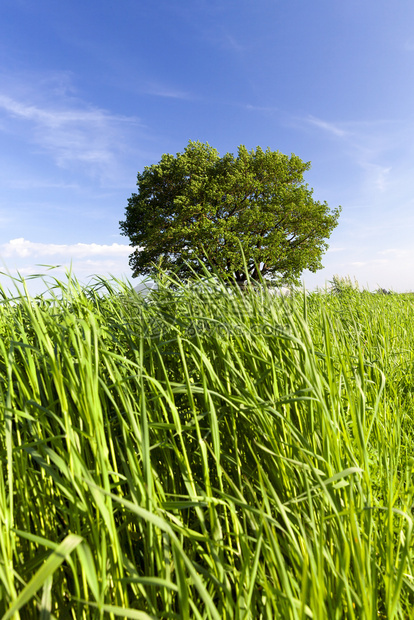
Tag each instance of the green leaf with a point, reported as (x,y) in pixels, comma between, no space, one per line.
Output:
(44,573)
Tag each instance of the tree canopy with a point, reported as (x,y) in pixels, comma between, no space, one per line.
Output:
(197,206)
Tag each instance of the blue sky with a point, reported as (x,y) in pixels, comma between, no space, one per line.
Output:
(91,92)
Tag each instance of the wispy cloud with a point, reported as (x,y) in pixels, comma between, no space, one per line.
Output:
(377,174)
(398,254)
(55,118)
(230,42)
(164,90)
(334,249)
(38,183)
(74,133)
(376,261)
(381,148)
(260,108)
(222,39)
(331,128)
(408,45)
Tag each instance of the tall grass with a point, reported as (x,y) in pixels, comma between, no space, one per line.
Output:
(205,453)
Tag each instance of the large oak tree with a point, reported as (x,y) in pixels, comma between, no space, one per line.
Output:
(197,205)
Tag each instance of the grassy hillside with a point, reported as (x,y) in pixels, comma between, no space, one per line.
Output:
(201,453)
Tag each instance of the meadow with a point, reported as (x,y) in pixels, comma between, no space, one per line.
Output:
(206,453)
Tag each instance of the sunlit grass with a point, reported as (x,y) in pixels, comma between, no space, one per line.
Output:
(206,453)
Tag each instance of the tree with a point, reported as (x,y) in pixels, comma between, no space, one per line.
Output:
(197,206)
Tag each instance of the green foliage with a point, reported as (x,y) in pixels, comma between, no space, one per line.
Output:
(200,206)
(206,453)
(343,286)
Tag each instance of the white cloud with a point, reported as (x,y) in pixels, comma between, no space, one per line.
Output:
(381,149)
(390,269)
(336,130)
(36,183)
(22,248)
(163,90)
(223,39)
(392,251)
(334,249)
(230,42)
(23,258)
(409,45)
(377,175)
(260,108)
(402,255)
(55,118)
(375,261)
(71,131)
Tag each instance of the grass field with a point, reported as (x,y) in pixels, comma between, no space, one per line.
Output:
(201,453)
